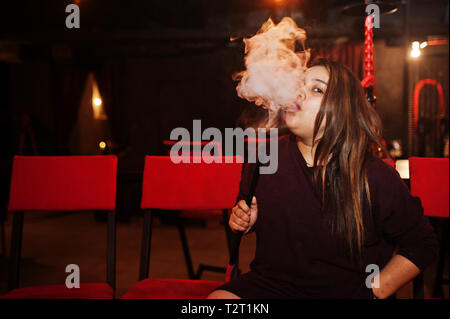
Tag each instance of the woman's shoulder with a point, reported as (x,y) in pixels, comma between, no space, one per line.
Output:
(284,140)
(382,174)
(280,144)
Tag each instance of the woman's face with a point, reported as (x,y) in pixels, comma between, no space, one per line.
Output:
(300,118)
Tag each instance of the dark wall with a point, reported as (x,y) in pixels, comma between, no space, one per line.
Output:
(155,94)
(390,104)
(165,93)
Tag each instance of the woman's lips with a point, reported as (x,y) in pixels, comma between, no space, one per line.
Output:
(294,108)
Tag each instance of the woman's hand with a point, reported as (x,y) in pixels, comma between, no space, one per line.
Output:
(242,217)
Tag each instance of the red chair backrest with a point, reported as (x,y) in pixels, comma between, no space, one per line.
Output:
(63,183)
(167,185)
(429,181)
(192,151)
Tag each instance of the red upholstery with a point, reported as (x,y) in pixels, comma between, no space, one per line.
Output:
(171,289)
(192,143)
(189,186)
(63,183)
(86,291)
(429,181)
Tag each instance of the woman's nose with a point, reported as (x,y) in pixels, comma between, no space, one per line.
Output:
(301,95)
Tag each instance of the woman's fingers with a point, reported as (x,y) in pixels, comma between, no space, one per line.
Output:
(235,226)
(243,206)
(254,203)
(241,214)
(239,219)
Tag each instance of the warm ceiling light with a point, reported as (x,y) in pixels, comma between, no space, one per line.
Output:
(415,52)
(97,101)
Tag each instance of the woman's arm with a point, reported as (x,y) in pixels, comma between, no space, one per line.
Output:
(397,273)
(401,220)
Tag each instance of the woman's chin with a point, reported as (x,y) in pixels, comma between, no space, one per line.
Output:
(291,121)
(293,129)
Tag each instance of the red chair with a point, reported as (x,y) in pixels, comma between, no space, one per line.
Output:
(183,186)
(429,180)
(62,183)
(195,150)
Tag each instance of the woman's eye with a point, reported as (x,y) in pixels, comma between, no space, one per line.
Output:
(318,90)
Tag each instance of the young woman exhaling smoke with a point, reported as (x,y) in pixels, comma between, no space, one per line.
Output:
(332,208)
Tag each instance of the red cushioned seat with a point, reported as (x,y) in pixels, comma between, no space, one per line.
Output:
(156,288)
(86,291)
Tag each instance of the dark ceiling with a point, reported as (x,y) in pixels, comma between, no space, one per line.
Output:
(144,22)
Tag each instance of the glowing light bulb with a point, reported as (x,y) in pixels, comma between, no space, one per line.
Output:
(97,101)
(415,52)
(102,145)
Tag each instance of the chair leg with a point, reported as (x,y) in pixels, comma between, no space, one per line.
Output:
(187,253)
(146,245)
(3,238)
(16,247)
(203,267)
(111,255)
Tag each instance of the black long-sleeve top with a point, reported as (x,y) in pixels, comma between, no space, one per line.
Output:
(296,250)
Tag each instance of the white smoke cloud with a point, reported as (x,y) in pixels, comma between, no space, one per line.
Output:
(274,70)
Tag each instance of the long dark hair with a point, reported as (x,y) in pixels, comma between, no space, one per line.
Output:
(352,133)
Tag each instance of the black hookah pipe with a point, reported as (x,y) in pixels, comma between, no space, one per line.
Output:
(235,238)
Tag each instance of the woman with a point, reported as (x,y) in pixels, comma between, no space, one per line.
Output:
(332,209)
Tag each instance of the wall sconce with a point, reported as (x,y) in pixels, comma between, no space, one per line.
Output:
(415,51)
(97,103)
